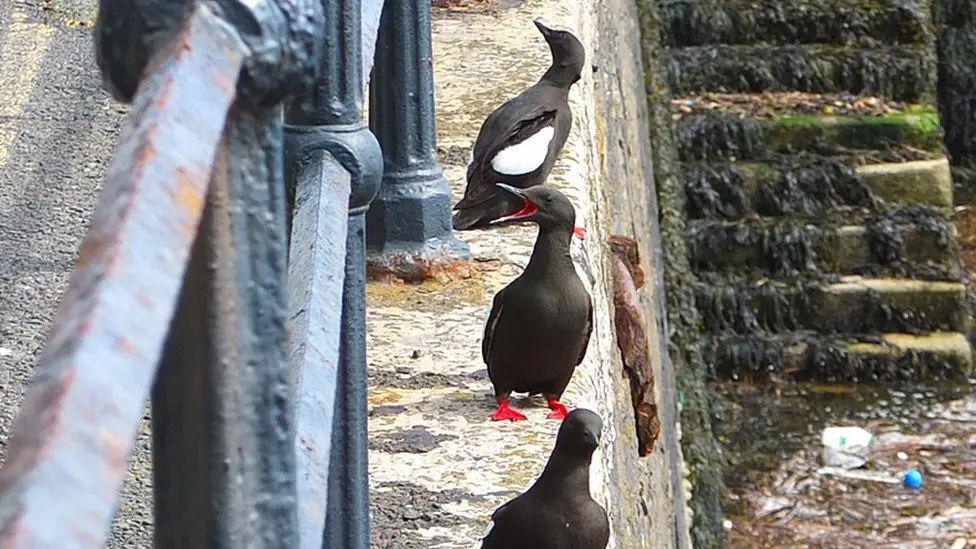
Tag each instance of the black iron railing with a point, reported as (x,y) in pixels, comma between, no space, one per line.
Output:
(224,276)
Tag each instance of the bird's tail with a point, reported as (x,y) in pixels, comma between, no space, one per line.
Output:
(479,216)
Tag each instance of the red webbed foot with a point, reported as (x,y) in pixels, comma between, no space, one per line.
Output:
(505,412)
(559,411)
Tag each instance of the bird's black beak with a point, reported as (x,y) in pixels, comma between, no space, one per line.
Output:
(545,29)
(592,437)
(529,208)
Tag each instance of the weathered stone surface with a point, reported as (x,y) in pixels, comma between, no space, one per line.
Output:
(922,182)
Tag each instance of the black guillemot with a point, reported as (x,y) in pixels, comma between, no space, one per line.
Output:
(519,142)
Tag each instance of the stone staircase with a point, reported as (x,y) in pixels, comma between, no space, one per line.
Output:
(819,199)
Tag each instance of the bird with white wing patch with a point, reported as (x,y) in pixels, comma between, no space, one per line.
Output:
(519,142)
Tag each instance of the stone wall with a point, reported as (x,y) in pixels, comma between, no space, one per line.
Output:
(956,24)
(629,165)
(703,483)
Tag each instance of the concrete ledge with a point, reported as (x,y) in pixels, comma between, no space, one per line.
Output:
(941,354)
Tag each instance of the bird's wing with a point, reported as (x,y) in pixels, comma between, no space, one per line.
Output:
(496,312)
(589,330)
(527,148)
(514,123)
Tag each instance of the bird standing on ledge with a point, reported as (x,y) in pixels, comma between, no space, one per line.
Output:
(557,512)
(540,324)
(519,142)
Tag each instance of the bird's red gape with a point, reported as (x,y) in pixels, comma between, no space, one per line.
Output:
(580,232)
(505,412)
(559,410)
(528,210)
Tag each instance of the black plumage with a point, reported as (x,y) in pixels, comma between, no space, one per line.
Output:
(540,324)
(557,512)
(542,106)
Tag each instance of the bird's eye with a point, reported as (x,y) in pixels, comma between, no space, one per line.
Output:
(548,200)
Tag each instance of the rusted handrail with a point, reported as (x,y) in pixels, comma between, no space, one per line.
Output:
(316,273)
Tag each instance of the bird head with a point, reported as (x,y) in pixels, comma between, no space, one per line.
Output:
(580,432)
(568,55)
(544,206)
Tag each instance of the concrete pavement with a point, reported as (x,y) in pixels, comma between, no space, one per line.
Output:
(58,129)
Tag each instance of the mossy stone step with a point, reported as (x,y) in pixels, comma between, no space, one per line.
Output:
(916,244)
(852,305)
(865,22)
(732,190)
(891,357)
(924,182)
(718,137)
(899,72)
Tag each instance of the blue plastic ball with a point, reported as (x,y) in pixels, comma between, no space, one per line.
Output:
(912,479)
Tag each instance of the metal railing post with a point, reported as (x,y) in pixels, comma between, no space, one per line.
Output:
(330,119)
(409,224)
(223,450)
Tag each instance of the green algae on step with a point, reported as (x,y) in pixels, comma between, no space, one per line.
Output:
(714,136)
(799,133)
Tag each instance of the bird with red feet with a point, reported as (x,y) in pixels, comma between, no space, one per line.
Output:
(540,324)
(557,512)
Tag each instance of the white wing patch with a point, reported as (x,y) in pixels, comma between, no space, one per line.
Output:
(526,156)
(491,524)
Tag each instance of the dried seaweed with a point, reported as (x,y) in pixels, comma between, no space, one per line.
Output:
(813,190)
(904,73)
(695,23)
